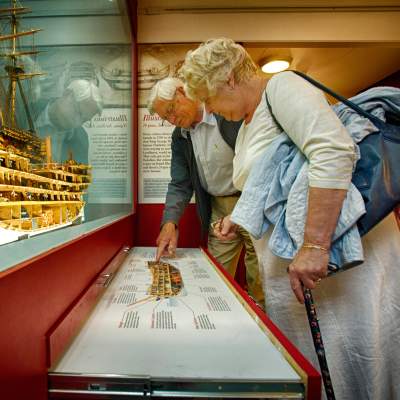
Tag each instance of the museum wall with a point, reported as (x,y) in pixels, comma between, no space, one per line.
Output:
(269,27)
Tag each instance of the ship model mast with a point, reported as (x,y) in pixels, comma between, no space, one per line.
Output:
(24,142)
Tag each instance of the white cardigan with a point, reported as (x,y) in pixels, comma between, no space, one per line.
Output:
(307,118)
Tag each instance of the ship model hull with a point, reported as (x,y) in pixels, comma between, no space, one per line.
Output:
(34,226)
(37,198)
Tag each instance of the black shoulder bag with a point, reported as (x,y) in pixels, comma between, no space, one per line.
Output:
(377,173)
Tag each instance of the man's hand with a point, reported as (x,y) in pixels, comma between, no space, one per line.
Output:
(308,268)
(167,241)
(225,229)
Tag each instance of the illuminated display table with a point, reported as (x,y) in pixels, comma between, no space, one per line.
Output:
(183,331)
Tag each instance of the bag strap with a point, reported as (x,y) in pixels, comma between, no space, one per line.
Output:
(272,114)
(348,103)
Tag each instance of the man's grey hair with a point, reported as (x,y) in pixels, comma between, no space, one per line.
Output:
(210,65)
(164,89)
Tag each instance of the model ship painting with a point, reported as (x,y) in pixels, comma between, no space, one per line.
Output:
(167,280)
(37,195)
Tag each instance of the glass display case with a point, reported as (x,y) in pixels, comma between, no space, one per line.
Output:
(66,139)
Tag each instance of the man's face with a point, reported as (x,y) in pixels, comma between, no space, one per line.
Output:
(180,111)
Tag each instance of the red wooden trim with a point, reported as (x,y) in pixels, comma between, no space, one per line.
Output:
(313,376)
(61,246)
(132,11)
(68,325)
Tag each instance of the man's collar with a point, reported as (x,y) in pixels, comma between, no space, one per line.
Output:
(207,119)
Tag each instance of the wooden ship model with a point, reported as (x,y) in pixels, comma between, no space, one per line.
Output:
(36,194)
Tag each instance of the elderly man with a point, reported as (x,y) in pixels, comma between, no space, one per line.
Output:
(202,155)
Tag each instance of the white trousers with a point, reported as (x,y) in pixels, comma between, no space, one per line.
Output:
(359,315)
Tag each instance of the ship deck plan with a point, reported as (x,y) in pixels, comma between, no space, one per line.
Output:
(176,319)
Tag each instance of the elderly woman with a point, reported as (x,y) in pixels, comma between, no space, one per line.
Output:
(359,308)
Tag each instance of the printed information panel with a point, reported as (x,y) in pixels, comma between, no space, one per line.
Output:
(180,320)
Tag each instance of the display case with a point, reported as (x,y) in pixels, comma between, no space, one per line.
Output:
(174,329)
(66,149)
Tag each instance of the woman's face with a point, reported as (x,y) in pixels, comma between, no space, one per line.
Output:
(228,102)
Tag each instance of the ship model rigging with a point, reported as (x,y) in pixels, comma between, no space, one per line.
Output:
(36,194)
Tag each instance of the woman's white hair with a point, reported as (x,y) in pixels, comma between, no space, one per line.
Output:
(164,90)
(210,65)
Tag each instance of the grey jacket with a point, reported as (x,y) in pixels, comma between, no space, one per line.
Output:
(185,177)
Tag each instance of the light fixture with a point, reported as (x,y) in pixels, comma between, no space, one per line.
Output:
(272,65)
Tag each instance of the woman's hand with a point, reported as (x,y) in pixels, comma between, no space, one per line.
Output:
(224,229)
(311,262)
(308,267)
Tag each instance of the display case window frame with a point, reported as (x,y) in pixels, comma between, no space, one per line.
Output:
(118,20)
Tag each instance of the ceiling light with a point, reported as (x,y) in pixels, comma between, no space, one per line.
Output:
(275,64)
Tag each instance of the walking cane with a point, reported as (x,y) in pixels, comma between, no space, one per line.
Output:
(318,343)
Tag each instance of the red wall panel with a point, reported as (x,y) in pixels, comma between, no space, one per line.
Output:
(33,297)
(148,226)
